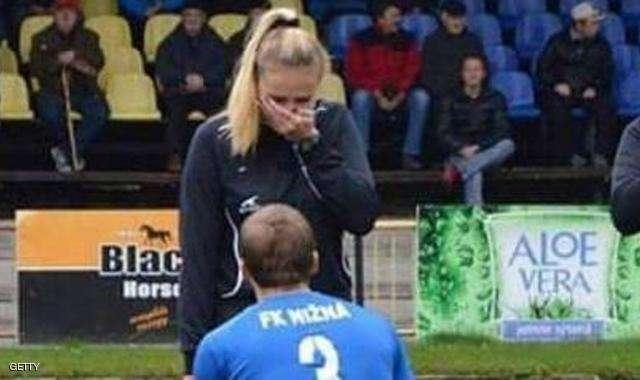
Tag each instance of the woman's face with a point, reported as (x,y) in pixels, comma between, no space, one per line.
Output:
(293,88)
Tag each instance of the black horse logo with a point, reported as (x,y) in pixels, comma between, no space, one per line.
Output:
(152,235)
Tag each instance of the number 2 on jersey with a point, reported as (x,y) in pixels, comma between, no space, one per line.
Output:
(307,353)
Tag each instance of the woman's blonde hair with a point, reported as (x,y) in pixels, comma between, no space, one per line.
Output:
(276,38)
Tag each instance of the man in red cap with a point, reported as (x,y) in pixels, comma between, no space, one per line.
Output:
(67,45)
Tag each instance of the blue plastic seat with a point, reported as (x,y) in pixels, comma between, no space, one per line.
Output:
(323,10)
(517,88)
(501,58)
(420,25)
(626,58)
(533,31)
(341,29)
(613,30)
(475,7)
(630,12)
(486,27)
(628,95)
(511,12)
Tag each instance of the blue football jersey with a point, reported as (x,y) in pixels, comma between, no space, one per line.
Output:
(303,335)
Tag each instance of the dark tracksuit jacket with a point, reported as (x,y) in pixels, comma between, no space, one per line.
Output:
(463,120)
(625,191)
(331,184)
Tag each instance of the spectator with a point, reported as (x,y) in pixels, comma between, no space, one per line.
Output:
(191,69)
(138,11)
(473,127)
(236,43)
(576,70)
(67,45)
(382,66)
(444,49)
(625,182)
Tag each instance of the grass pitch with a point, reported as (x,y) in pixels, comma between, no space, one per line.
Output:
(438,356)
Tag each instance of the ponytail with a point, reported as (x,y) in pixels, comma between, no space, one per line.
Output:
(275,38)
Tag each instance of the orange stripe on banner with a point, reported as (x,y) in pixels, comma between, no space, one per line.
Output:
(70,238)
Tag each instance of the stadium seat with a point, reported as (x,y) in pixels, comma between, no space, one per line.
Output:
(120,60)
(342,29)
(626,58)
(95,8)
(628,95)
(113,30)
(487,27)
(501,58)
(227,24)
(30,27)
(630,12)
(511,12)
(132,97)
(613,29)
(8,60)
(323,10)
(565,6)
(156,30)
(293,4)
(475,7)
(308,24)
(14,98)
(517,88)
(332,89)
(421,25)
(533,31)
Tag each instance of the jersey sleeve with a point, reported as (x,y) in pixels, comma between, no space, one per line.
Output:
(209,360)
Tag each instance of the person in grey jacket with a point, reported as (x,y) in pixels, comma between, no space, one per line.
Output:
(275,143)
(625,189)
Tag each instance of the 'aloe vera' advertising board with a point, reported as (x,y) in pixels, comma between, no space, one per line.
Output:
(526,273)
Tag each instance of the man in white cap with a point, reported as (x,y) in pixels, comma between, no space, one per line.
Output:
(575,70)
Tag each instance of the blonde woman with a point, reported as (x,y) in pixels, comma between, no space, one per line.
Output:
(275,142)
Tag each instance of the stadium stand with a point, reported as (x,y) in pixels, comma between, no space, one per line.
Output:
(628,95)
(14,102)
(8,59)
(501,58)
(630,12)
(627,59)
(132,97)
(421,25)
(533,31)
(30,27)
(341,29)
(157,28)
(120,60)
(487,27)
(475,6)
(226,25)
(332,89)
(510,12)
(516,86)
(94,8)
(613,30)
(113,30)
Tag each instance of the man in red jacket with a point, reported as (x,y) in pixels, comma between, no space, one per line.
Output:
(382,66)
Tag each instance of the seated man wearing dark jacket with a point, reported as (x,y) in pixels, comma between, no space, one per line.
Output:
(67,46)
(625,182)
(191,69)
(382,66)
(576,70)
(444,49)
(473,126)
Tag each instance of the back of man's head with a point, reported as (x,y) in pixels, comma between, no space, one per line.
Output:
(277,247)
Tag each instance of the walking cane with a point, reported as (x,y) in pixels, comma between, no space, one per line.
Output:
(67,105)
